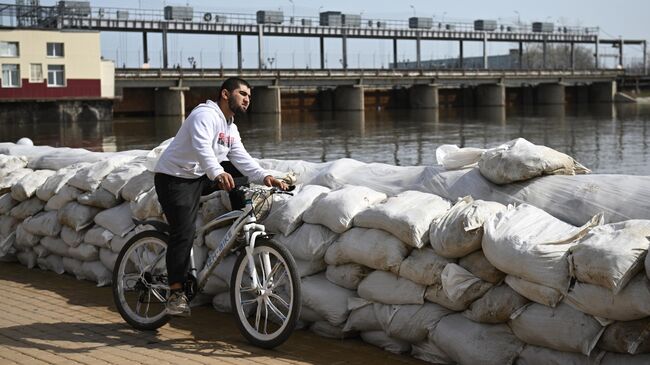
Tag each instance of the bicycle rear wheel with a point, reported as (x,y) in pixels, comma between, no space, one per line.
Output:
(266,313)
(140,287)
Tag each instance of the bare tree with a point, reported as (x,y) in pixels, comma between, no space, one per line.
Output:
(558,56)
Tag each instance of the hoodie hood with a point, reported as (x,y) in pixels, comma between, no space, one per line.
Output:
(213,106)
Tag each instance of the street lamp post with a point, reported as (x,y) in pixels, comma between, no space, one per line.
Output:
(293,11)
(413,7)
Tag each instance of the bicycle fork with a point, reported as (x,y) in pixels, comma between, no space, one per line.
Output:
(253,231)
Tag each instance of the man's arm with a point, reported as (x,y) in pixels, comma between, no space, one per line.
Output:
(202,133)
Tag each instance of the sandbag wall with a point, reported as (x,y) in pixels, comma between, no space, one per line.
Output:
(467,282)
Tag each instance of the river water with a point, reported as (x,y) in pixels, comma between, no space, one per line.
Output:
(606,138)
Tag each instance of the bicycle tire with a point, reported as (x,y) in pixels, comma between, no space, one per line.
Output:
(282,257)
(121,302)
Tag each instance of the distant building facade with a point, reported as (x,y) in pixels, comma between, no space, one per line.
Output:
(54,65)
(505,62)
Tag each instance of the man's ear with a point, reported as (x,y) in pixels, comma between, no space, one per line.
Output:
(225,94)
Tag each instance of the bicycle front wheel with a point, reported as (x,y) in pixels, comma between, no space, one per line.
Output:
(265,294)
(140,287)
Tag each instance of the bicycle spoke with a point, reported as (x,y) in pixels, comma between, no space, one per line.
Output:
(266,319)
(249,301)
(274,270)
(146,310)
(279,281)
(275,310)
(279,299)
(133,278)
(257,317)
(262,269)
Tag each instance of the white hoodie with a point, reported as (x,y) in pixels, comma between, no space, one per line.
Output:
(205,139)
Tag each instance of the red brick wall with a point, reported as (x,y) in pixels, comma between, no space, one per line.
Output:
(76,88)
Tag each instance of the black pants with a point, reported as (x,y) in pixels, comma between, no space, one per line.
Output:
(179,199)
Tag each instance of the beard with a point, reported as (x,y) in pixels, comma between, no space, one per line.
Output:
(238,110)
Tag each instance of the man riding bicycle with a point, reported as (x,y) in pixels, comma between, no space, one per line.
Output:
(207,149)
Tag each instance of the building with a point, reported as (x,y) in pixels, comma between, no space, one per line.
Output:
(54,65)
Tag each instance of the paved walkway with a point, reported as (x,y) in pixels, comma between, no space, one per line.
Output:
(54,319)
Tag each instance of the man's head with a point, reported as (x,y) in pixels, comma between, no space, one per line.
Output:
(234,96)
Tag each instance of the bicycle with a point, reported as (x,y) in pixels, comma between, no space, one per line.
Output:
(265,293)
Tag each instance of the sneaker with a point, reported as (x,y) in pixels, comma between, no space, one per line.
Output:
(177,304)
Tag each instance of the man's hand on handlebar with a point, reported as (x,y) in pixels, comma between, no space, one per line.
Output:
(271,181)
(225,181)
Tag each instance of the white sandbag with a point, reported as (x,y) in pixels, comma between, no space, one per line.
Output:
(468,342)
(120,176)
(520,160)
(84,252)
(73,267)
(611,358)
(55,245)
(477,264)
(10,178)
(213,238)
(9,163)
(347,275)
(65,195)
(324,329)
(77,216)
(108,258)
(628,337)
(307,268)
(423,266)
(137,185)
(287,219)
(451,157)
(224,269)
(27,258)
(383,341)
(436,294)
(410,323)
(27,208)
(336,209)
(407,216)
(430,352)
(561,328)
(7,225)
(309,316)
(535,355)
(43,224)
(633,302)
(456,281)
(214,285)
(362,317)
(26,187)
(612,254)
(309,242)
(146,206)
(536,292)
(388,288)
(7,247)
(118,242)
(117,220)
(89,177)
(373,248)
(496,305)
(97,272)
(325,298)
(25,239)
(213,207)
(100,198)
(459,232)
(6,203)
(527,242)
(221,303)
(41,251)
(98,236)
(71,237)
(53,263)
(58,180)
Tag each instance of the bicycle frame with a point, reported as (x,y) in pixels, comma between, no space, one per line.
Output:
(243,219)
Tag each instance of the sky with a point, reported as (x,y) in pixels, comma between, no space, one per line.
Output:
(627,19)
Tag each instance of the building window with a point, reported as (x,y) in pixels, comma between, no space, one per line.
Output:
(55,75)
(10,75)
(9,49)
(54,49)
(35,72)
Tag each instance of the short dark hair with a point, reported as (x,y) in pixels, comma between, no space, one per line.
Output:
(232,83)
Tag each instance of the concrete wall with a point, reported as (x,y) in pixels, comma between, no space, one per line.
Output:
(108,79)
